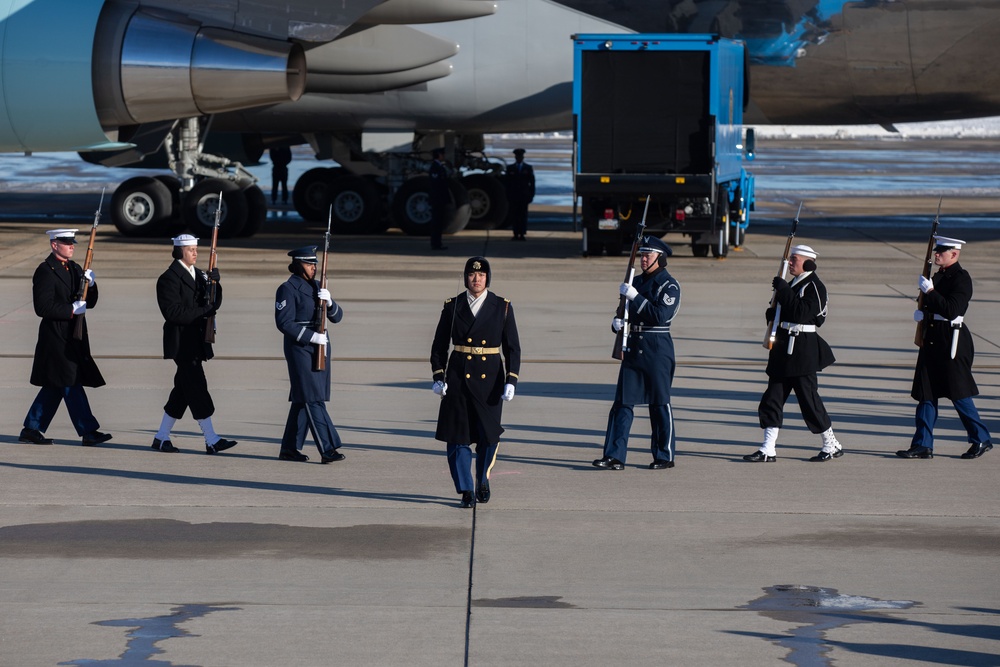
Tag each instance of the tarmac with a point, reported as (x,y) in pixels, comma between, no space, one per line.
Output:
(118,555)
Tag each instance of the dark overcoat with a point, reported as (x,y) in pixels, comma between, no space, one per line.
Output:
(647,369)
(184,304)
(520,183)
(937,375)
(475,381)
(296,314)
(804,303)
(61,360)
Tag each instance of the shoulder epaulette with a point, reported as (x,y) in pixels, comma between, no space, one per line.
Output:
(447,300)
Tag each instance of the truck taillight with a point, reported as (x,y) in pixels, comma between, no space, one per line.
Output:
(679,215)
(609,213)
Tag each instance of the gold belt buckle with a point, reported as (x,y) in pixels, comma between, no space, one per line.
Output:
(477,350)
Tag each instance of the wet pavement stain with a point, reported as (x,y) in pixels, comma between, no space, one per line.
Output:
(170,539)
(142,640)
(814,611)
(525,602)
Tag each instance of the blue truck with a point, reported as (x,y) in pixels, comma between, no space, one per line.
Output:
(661,115)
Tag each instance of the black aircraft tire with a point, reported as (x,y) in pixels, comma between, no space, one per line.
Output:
(141,206)
(411,206)
(356,208)
(256,210)
(487,201)
(200,204)
(309,194)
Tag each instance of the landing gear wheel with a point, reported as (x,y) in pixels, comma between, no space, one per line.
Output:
(309,196)
(141,206)
(487,201)
(203,199)
(175,223)
(355,205)
(411,206)
(458,220)
(256,210)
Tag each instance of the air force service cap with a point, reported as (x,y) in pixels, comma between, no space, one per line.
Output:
(651,243)
(803,251)
(65,236)
(305,254)
(185,239)
(944,243)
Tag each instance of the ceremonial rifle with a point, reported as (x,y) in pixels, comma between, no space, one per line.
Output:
(319,352)
(918,337)
(84,283)
(772,327)
(621,339)
(212,260)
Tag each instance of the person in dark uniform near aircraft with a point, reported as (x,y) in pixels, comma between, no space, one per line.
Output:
(797,355)
(944,363)
(296,314)
(440,197)
(647,369)
(281,157)
(62,366)
(184,296)
(474,378)
(520,183)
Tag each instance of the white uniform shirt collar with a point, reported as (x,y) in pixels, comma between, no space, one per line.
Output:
(476,304)
(189,269)
(799,278)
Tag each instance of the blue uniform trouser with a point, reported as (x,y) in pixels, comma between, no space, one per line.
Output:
(460,464)
(927,414)
(44,407)
(662,441)
(314,418)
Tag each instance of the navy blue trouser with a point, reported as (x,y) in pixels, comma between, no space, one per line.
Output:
(314,418)
(927,414)
(44,407)
(662,440)
(460,464)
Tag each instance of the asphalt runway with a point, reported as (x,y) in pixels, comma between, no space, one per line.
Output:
(117,555)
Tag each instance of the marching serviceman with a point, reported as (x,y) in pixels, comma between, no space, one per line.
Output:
(62,366)
(474,379)
(296,314)
(944,363)
(647,369)
(797,355)
(184,298)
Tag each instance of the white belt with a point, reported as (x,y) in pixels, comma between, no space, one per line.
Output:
(793,327)
(957,322)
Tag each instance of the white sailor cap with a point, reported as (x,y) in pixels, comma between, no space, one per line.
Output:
(943,243)
(63,235)
(185,239)
(803,251)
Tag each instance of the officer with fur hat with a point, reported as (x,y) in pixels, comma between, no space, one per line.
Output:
(297,314)
(944,363)
(479,372)
(797,355)
(184,297)
(647,369)
(63,365)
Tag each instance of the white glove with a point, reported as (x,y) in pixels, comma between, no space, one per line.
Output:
(324,295)
(508,392)
(318,338)
(89,275)
(628,291)
(617,324)
(926,285)
(918,316)
(79,307)
(440,388)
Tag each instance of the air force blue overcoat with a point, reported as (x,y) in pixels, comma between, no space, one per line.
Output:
(647,370)
(297,316)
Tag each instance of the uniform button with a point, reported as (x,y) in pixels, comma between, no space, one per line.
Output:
(640,351)
(484,342)
(483,376)
(469,357)
(484,358)
(468,340)
(467,376)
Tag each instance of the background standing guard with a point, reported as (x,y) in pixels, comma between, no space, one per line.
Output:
(473,380)
(62,366)
(944,363)
(520,192)
(647,370)
(296,314)
(182,293)
(797,355)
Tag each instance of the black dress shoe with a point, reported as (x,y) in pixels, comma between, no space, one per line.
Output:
(977,449)
(467,499)
(760,457)
(826,456)
(483,492)
(221,446)
(330,458)
(34,437)
(164,446)
(660,464)
(95,438)
(292,456)
(609,463)
(916,452)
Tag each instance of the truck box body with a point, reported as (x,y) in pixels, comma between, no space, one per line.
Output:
(658,115)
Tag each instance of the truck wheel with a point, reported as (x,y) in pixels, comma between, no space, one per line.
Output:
(203,199)
(141,206)
(699,249)
(739,236)
(355,205)
(613,248)
(716,253)
(487,201)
